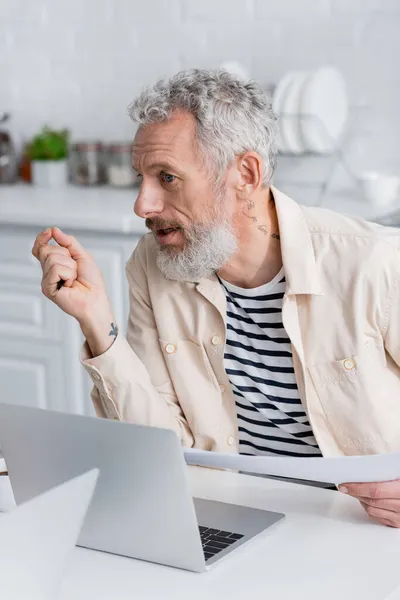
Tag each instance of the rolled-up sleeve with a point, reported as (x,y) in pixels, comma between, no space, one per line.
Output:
(131,381)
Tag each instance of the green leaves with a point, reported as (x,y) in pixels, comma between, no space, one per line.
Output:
(49,145)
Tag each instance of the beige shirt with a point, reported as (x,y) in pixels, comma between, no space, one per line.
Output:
(341,311)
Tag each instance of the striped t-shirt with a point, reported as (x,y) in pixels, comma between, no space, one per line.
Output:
(258,361)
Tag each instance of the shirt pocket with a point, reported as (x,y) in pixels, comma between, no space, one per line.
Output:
(194,381)
(360,397)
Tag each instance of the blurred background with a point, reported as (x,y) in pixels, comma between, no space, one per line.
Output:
(78,63)
(75,65)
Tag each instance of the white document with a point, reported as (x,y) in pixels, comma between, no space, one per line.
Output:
(341,469)
(37,537)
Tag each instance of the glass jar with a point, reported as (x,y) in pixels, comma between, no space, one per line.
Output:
(119,169)
(8,157)
(87,166)
(25,167)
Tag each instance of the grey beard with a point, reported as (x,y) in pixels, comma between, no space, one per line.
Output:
(208,248)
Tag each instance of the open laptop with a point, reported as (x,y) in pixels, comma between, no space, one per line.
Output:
(142,507)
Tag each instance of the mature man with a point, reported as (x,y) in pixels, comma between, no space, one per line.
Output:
(256,325)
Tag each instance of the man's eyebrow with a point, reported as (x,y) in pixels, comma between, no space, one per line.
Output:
(164,166)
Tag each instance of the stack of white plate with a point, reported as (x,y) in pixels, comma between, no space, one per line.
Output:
(312,108)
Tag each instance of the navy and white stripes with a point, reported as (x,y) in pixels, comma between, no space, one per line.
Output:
(258,361)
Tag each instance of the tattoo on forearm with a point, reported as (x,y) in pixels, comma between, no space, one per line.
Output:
(114,330)
(276,236)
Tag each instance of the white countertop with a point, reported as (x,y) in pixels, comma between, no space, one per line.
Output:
(106,209)
(101,209)
(325,548)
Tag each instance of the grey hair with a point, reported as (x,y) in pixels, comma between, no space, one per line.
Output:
(233,116)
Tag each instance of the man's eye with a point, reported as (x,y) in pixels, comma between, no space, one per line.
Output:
(167,177)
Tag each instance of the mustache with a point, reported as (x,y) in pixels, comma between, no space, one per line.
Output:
(157,223)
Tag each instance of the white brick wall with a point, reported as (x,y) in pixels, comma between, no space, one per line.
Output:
(78,63)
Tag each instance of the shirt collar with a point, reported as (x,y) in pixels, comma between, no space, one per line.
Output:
(296,246)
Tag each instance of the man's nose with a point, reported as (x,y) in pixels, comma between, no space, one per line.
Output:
(148,204)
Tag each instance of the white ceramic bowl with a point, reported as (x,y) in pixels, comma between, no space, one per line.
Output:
(380,189)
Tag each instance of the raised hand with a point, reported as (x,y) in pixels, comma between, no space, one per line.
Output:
(72,280)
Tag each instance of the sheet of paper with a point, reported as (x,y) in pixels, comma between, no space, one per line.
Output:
(350,469)
(37,537)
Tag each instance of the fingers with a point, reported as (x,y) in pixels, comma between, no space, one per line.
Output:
(389,504)
(61,260)
(55,274)
(41,240)
(383,516)
(376,491)
(380,500)
(46,251)
(66,244)
(69,242)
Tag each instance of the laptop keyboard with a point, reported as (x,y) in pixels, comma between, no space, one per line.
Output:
(214,540)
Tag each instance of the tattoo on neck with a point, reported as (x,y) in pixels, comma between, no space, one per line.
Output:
(114,330)
(249,205)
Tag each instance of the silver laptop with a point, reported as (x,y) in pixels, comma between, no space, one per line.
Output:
(142,507)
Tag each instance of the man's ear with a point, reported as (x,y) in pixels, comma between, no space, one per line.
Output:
(250,172)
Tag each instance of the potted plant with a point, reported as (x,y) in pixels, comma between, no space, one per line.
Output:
(48,152)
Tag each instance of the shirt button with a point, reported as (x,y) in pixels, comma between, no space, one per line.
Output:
(96,376)
(349,364)
(170,348)
(222,387)
(230,441)
(215,340)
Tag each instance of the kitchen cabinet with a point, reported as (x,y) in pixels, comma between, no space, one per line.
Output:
(39,344)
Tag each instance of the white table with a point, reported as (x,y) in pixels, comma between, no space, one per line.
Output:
(326,548)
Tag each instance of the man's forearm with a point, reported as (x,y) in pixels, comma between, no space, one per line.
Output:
(100,333)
